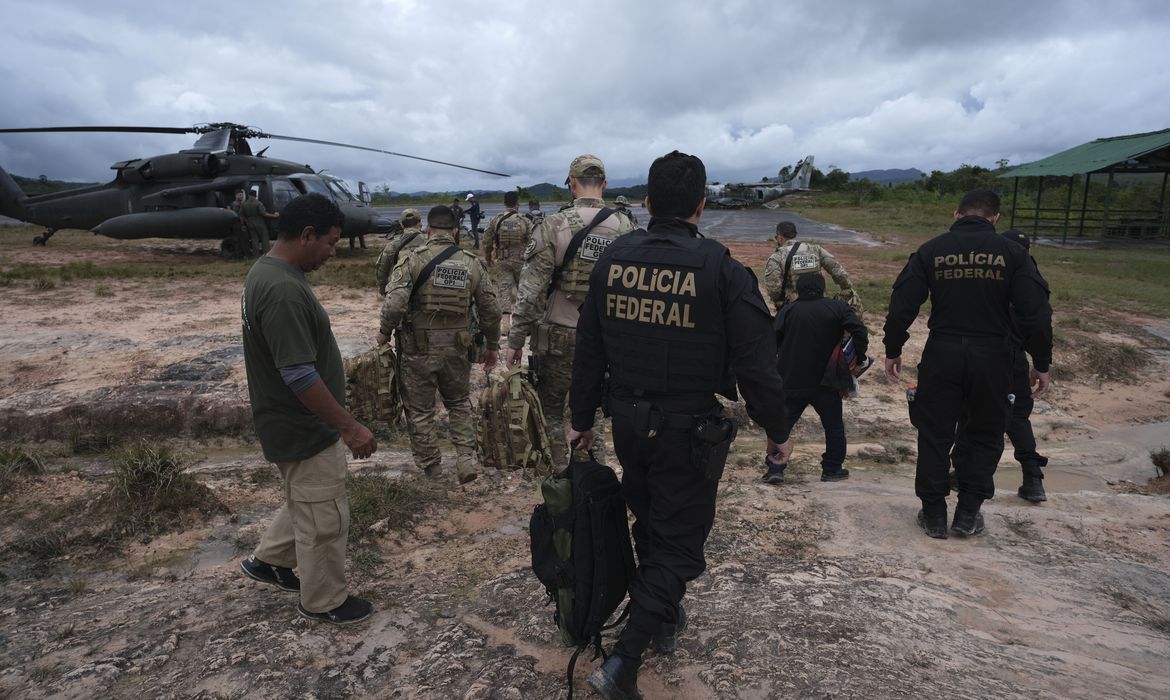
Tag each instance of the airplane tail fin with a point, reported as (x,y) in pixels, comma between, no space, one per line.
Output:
(11,197)
(802,176)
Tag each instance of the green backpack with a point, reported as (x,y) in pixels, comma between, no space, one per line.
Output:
(372,392)
(511,425)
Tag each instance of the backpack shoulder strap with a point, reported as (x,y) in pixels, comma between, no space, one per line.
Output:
(787,269)
(430,267)
(575,244)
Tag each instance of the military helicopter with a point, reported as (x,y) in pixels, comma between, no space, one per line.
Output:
(185,194)
(737,196)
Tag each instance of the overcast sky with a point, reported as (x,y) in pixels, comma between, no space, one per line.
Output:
(522,87)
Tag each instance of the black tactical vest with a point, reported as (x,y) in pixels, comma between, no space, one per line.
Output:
(661,314)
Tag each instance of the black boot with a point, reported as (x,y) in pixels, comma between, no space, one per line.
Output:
(934,525)
(1033,489)
(967,522)
(616,679)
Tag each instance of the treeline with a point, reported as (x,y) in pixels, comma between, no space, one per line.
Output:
(43,185)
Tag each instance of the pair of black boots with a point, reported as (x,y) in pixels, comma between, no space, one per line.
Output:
(966,523)
(617,678)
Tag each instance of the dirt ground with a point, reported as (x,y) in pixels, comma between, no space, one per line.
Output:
(812,589)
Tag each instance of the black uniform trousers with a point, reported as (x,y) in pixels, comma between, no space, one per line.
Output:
(963,383)
(1019,429)
(674,506)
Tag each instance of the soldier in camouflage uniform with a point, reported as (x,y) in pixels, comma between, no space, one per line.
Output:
(504,242)
(551,320)
(408,237)
(534,214)
(809,257)
(433,339)
(623,205)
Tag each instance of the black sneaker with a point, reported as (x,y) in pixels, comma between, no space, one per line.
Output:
(667,638)
(967,523)
(351,611)
(934,525)
(775,473)
(839,475)
(1033,490)
(279,576)
(616,679)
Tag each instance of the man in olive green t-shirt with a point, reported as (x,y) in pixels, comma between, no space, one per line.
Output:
(297,388)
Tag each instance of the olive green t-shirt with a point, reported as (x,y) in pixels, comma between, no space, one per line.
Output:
(285,325)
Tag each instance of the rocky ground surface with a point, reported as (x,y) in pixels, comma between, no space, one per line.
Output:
(812,589)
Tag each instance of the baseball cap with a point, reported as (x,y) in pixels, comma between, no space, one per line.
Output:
(1018,236)
(585,165)
(621,199)
(410,214)
(470,196)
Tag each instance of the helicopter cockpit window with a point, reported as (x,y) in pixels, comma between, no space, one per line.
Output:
(313,184)
(283,192)
(340,191)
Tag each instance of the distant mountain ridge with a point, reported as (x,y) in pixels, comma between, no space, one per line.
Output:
(889,177)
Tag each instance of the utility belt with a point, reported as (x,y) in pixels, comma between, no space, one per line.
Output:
(711,434)
(985,341)
(419,340)
(553,339)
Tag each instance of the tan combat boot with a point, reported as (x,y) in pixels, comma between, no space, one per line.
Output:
(466,468)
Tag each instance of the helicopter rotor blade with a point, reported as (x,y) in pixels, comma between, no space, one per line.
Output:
(379,150)
(107,129)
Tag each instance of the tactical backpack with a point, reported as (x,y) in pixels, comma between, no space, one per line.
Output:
(511,425)
(371,386)
(581,553)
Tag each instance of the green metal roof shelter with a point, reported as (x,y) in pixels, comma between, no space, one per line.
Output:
(1145,155)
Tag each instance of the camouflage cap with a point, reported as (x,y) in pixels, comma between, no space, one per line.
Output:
(1018,236)
(621,199)
(786,229)
(586,165)
(410,214)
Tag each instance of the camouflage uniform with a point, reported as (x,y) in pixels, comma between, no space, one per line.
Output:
(810,257)
(507,235)
(388,259)
(623,205)
(433,345)
(551,321)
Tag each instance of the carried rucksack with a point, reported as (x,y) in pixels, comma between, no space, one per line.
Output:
(581,553)
(371,386)
(511,425)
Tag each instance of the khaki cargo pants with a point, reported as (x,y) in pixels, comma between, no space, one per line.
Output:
(310,530)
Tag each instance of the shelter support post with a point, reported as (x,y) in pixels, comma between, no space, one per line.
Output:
(1084,204)
(1067,210)
(1108,199)
(1039,198)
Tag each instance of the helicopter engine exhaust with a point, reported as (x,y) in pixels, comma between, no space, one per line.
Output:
(194,222)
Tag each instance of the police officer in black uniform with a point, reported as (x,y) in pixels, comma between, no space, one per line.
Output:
(675,321)
(1019,429)
(976,281)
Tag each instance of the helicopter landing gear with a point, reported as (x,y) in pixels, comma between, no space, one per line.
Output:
(44,237)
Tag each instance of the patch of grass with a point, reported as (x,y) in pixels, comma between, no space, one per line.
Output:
(262,476)
(63,633)
(78,584)
(150,489)
(81,441)
(367,560)
(1161,459)
(1112,361)
(103,290)
(375,498)
(17,460)
(43,284)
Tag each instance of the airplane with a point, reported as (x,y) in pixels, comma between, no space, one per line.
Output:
(185,194)
(737,196)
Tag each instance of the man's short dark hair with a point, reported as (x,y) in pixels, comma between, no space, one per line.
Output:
(239,190)
(786,229)
(312,209)
(511,199)
(441,216)
(676,185)
(983,203)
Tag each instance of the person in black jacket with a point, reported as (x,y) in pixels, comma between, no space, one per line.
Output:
(808,331)
(675,320)
(474,214)
(1019,429)
(983,288)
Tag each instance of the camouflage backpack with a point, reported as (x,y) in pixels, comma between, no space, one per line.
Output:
(371,386)
(511,425)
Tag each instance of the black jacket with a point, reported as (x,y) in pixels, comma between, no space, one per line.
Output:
(747,336)
(808,330)
(977,281)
